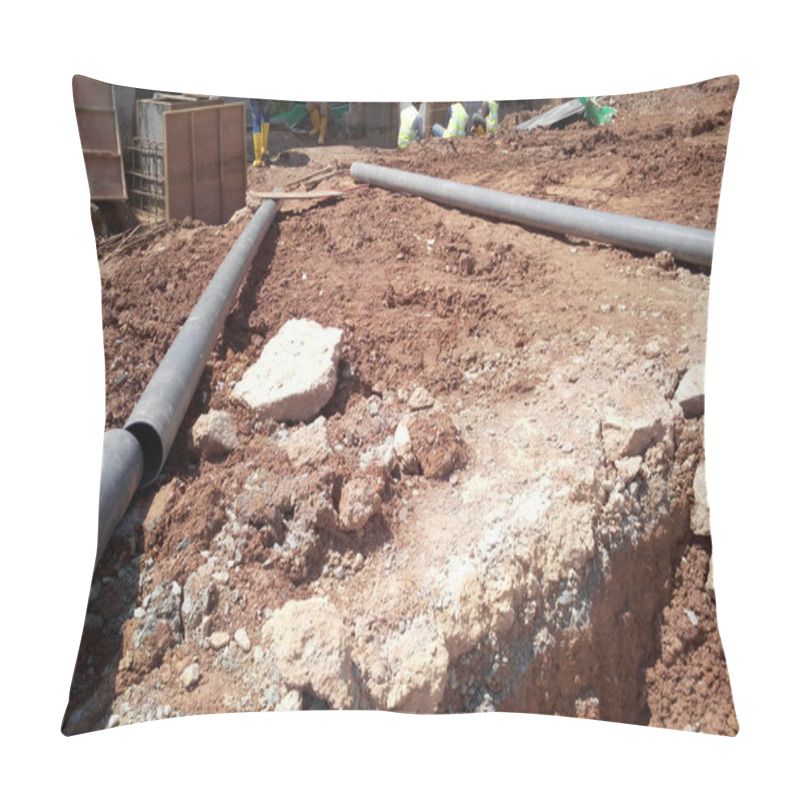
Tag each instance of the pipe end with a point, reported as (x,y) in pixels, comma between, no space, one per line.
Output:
(152,449)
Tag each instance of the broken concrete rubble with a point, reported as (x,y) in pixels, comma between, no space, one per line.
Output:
(308,445)
(295,375)
(690,393)
(309,644)
(700,520)
(213,435)
(359,501)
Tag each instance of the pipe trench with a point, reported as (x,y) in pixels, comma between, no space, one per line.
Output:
(687,244)
(134,455)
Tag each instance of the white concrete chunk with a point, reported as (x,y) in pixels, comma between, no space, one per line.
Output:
(295,376)
(691,392)
(309,643)
(630,437)
(699,519)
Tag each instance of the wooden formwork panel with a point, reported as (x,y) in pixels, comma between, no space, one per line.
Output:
(205,162)
(99,134)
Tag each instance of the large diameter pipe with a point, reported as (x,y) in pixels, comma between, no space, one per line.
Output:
(157,416)
(123,464)
(690,245)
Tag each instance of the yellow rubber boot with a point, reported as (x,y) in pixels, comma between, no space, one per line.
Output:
(264,139)
(258,149)
(322,125)
(314,114)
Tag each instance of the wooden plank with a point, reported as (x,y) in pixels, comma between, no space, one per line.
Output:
(319,172)
(296,195)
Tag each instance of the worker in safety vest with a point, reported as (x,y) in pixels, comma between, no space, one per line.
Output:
(411,129)
(260,111)
(457,120)
(319,118)
(485,120)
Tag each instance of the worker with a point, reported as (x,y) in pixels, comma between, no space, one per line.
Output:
(485,120)
(456,123)
(411,128)
(319,118)
(260,111)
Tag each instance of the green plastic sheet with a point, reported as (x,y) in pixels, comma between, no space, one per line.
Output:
(293,113)
(595,113)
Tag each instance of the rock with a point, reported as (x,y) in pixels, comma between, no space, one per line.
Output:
(219,639)
(479,603)
(665,260)
(629,437)
(242,639)
(200,597)
(190,677)
(113,721)
(404,451)
(690,393)
(710,578)
(435,442)
(699,519)
(420,662)
(295,376)
(292,701)
(383,455)
(420,398)
(628,468)
(308,445)
(159,628)
(358,502)
(213,436)
(652,349)
(310,647)
(569,544)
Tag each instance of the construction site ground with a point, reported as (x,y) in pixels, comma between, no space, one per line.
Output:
(472,586)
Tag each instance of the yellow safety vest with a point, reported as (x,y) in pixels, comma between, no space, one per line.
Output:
(457,127)
(493,118)
(407,134)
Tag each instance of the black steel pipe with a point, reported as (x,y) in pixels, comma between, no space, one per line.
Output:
(123,464)
(687,244)
(157,416)
(133,456)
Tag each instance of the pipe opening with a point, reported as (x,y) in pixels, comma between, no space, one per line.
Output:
(152,449)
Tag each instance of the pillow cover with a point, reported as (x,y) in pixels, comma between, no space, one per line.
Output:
(431,450)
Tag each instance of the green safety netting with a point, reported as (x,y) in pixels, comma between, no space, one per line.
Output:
(595,113)
(292,113)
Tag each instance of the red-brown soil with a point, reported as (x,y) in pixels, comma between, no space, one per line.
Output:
(486,316)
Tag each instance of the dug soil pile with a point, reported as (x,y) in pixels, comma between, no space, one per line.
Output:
(502,505)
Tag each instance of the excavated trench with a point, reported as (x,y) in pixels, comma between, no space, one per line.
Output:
(594,667)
